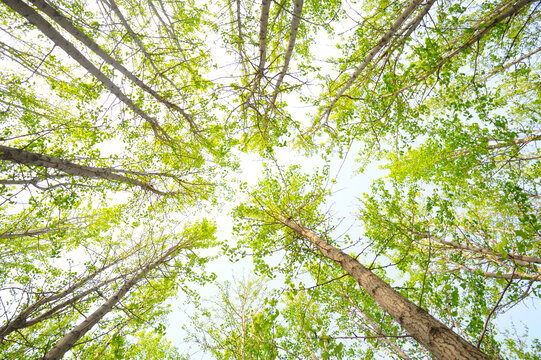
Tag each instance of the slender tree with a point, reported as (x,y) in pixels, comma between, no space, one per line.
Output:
(271,209)
(69,340)
(120,116)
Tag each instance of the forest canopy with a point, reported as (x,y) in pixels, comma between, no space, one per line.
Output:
(125,129)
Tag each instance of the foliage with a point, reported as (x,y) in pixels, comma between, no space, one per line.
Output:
(122,124)
(251,325)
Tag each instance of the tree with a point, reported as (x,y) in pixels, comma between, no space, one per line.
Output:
(120,118)
(271,209)
(245,323)
(69,250)
(111,283)
(69,340)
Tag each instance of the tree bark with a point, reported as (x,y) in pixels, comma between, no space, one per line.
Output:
(69,340)
(30,158)
(31,232)
(112,4)
(522,260)
(263,27)
(23,320)
(47,29)
(295,21)
(414,24)
(436,337)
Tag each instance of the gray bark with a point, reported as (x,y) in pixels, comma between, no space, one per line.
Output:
(112,4)
(295,21)
(70,339)
(435,336)
(30,158)
(29,315)
(522,260)
(410,28)
(263,26)
(30,232)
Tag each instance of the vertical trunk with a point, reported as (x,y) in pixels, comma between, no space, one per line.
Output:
(436,337)
(69,340)
(263,28)
(264,23)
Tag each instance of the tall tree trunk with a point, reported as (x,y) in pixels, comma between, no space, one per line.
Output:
(263,28)
(69,340)
(47,29)
(23,320)
(30,158)
(436,337)
(264,23)
(483,28)
(295,21)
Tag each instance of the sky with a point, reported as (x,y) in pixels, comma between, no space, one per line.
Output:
(343,204)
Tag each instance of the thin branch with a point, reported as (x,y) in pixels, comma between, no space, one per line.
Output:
(492,312)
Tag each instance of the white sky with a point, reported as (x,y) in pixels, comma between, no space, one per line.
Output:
(343,204)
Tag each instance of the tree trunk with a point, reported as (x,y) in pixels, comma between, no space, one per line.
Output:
(263,28)
(30,158)
(436,337)
(69,340)
(295,21)
(47,29)
(484,27)
(264,22)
